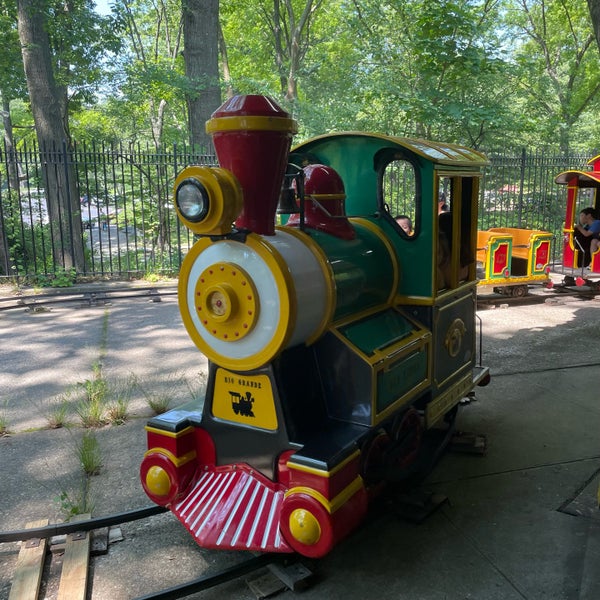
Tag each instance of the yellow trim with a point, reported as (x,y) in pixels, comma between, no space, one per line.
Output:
(339,196)
(335,503)
(401,299)
(251,123)
(328,275)
(288,309)
(170,434)
(320,472)
(587,176)
(522,280)
(178,461)
(357,316)
(437,408)
(391,251)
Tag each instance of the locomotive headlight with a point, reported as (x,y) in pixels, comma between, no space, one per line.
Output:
(207,199)
(192,200)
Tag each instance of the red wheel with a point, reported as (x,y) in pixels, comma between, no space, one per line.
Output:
(373,456)
(407,434)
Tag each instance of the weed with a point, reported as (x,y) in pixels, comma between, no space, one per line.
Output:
(59,412)
(117,411)
(91,409)
(88,452)
(91,412)
(61,278)
(197,386)
(159,403)
(3,425)
(4,421)
(95,390)
(120,393)
(71,505)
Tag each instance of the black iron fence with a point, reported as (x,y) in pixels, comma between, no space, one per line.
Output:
(128,226)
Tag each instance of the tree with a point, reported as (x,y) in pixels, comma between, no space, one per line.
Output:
(279,35)
(291,40)
(201,55)
(47,104)
(561,79)
(12,83)
(427,68)
(153,82)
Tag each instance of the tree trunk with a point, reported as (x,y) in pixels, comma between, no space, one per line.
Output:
(594,6)
(60,183)
(6,263)
(201,56)
(11,157)
(229,91)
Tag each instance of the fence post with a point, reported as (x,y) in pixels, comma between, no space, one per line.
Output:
(522,184)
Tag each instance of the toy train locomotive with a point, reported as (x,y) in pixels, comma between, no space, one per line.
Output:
(336,342)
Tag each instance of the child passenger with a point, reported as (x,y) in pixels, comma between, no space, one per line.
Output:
(405,223)
(587,232)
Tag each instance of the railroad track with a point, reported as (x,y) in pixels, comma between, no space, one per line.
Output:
(557,294)
(75,541)
(83,298)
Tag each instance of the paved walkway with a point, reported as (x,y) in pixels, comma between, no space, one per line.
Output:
(506,532)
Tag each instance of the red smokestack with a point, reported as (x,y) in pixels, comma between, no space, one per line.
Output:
(252,137)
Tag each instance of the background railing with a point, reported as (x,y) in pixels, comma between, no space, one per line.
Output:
(129,224)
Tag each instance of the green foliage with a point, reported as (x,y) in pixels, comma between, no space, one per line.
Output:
(70,505)
(512,72)
(79,38)
(62,278)
(558,59)
(12,76)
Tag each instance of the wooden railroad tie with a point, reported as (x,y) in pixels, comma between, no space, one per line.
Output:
(74,576)
(30,565)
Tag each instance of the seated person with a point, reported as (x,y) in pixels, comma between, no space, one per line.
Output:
(586,234)
(442,204)
(405,223)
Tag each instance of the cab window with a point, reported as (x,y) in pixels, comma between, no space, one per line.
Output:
(400,195)
(456,230)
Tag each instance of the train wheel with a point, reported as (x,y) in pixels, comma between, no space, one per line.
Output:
(407,435)
(373,456)
(519,291)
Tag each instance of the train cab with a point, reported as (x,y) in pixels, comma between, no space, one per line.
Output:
(582,187)
(436,185)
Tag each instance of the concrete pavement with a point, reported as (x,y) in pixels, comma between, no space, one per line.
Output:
(507,531)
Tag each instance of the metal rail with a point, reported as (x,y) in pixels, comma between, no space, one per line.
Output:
(85,298)
(90,524)
(209,581)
